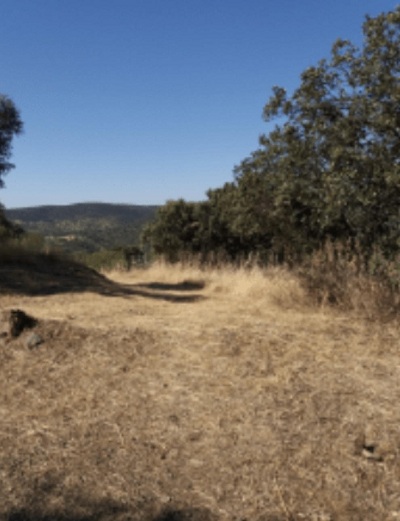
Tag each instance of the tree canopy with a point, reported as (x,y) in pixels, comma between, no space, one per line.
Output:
(10,125)
(329,170)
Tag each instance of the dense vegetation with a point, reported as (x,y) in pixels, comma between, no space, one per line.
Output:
(329,172)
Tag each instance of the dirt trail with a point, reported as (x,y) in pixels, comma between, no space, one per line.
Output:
(200,399)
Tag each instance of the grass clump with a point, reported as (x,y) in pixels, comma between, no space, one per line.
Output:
(345,279)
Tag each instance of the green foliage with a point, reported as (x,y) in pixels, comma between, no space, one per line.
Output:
(210,230)
(329,171)
(10,125)
(174,231)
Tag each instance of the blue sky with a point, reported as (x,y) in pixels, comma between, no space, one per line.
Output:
(141,101)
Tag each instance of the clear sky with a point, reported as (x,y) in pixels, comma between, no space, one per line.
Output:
(140,101)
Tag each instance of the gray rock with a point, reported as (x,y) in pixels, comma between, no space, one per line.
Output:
(33,340)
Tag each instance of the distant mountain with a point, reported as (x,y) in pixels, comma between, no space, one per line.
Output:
(85,226)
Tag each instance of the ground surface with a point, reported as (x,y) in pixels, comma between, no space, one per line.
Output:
(177,395)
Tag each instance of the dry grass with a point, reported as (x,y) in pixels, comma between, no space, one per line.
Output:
(193,394)
(334,275)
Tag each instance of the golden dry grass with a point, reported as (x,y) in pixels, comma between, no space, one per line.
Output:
(195,394)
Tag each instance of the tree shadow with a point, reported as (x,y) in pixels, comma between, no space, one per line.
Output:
(186,514)
(96,511)
(128,290)
(51,275)
(101,513)
(186,285)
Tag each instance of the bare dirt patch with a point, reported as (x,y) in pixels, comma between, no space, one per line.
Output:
(187,395)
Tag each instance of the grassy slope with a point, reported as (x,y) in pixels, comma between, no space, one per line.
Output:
(227,398)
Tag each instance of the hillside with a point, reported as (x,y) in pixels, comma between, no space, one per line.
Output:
(174,394)
(85,226)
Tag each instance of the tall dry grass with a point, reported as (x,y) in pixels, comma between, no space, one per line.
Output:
(331,277)
(252,285)
(337,276)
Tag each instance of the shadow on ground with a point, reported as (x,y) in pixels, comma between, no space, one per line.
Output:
(118,514)
(186,285)
(42,275)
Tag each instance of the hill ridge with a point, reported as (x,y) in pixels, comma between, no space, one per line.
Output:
(85,226)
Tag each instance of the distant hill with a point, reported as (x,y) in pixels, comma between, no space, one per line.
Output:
(85,226)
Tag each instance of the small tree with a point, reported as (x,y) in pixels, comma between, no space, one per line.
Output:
(174,231)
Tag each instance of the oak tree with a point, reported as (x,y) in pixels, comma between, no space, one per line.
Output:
(331,167)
